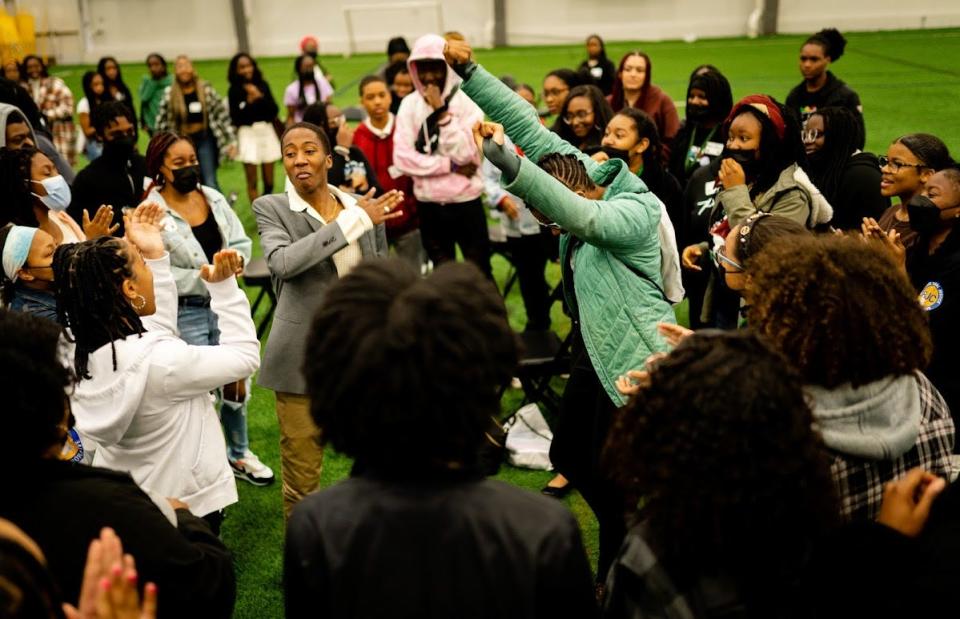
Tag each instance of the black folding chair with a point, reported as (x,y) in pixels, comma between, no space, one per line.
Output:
(257,275)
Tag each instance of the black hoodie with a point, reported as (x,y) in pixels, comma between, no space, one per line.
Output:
(835,93)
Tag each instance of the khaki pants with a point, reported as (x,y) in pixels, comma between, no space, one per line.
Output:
(301,455)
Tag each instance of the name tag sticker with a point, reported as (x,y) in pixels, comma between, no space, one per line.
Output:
(195,107)
(713,149)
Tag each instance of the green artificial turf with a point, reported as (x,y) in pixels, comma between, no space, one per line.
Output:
(906,80)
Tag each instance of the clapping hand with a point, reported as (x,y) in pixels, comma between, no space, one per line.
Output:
(109,588)
(907,501)
(226,264)
(100,224)
(890,240)
(381,209)
(635,380)
(674,334)
(142,229)
(692,254)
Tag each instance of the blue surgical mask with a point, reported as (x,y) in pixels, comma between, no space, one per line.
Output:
(58,193)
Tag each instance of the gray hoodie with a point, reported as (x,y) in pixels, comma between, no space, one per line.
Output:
(43,144)
(878,421)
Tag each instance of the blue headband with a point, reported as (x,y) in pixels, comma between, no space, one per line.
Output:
(16,249)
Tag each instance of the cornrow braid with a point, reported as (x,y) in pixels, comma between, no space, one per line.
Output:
(567,169)
(17,205)
(89,277)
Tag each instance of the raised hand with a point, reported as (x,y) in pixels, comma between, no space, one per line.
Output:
(890,240)
(457,52)
(381,209)
(345,135)
(226,264)
(600,156)
(142,229)
(483,130)
(100,224)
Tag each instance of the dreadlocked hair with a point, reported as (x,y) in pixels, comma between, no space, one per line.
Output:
(89,277)
(568,170)
(842,136)
(15,175)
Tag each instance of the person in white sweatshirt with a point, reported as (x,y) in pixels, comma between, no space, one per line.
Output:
(143,395)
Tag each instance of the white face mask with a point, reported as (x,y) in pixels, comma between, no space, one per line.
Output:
(58,193)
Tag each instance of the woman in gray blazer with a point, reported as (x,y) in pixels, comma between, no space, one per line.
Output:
(311,236)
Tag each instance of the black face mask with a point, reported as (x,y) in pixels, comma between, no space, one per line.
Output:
(697,113)
(924,214)
(186,179)
(746,158)
(120,147)
(616,153)
(306,75)
(311,54)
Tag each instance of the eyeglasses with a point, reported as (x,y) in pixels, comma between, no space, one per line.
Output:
(896,165)
(721,258)
(809,136)
(582,116)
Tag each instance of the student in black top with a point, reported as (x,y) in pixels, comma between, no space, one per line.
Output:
(448,542)
(631,135)
(583,117)
(700,138)
(821,88)
(253,111)
(350,170)
(116,89)
(597,65)
(399,82)
(933,264)
(848,178)
(116,178)
(64,505)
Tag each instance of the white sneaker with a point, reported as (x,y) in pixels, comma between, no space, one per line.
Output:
(250,469)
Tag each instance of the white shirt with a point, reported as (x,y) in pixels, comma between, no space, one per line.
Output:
(353,221)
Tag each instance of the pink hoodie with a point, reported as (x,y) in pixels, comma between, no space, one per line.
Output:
(432,179)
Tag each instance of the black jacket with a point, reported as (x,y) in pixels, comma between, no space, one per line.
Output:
(456,548)
(341,167)
(858,194)
(680,150)
(242,113)
(937,280)
(835,93)
(602,75)
(116,183)
(63,506)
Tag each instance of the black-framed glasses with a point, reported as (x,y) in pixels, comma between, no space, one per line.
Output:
(896,165)
(582,116)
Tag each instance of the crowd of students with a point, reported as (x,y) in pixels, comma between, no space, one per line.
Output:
(789,455)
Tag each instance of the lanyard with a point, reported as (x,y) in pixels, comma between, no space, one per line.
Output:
(691,161)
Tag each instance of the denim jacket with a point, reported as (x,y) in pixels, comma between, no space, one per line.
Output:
(186,254)
(37,302)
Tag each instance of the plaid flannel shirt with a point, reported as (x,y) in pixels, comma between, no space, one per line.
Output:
(218,117)
(860,481)
(53,97)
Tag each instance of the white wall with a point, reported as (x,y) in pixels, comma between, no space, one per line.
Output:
(129,29)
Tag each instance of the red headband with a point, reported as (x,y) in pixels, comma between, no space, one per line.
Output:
(766,106)
(306,39)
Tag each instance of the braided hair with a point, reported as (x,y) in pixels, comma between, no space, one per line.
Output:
(17,205)
(567,169)
(89,278)
(842,136)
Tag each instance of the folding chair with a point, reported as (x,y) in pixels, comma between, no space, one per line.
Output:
(257,275)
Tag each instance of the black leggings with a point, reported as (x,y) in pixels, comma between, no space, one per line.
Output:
(586,414)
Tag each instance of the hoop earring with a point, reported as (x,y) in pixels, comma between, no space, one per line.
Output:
(139,303)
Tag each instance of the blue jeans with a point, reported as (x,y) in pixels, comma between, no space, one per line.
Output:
(198,326)
(209,157)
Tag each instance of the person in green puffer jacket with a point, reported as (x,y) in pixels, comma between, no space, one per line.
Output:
(610,256)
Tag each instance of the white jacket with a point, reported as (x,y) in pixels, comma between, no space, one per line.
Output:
(153,416)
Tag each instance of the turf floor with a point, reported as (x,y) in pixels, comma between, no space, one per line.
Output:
(907,81)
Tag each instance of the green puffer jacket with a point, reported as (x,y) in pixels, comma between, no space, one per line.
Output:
(618,310)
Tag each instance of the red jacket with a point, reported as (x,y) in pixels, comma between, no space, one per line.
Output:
(379,152)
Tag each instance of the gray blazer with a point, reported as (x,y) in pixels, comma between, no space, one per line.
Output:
(299,252)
